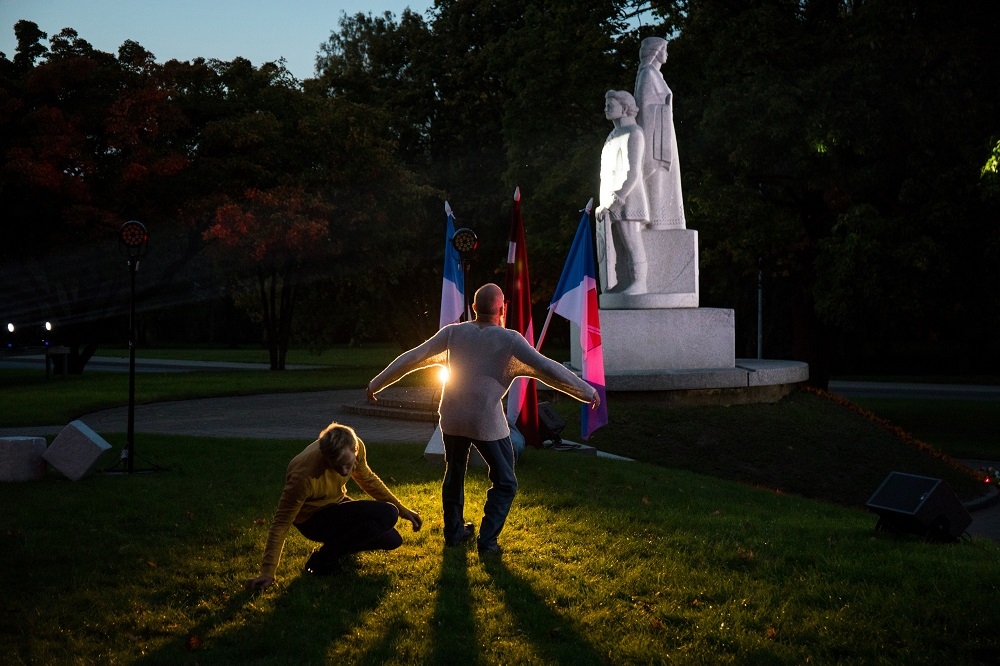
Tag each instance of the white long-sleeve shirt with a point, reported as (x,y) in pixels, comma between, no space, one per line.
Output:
(483,361)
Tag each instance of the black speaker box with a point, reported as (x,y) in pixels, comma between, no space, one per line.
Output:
(550,424)
(919,505)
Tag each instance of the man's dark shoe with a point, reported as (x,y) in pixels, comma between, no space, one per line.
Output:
(490,551)
(320,565)
(468,531)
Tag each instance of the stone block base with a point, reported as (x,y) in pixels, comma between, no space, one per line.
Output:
(653,341)
(75,451)
(672,278)
(21,458)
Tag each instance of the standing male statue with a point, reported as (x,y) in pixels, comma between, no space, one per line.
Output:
(623,206)
(656,117)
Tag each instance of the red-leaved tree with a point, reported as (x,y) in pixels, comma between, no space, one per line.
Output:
(271,239)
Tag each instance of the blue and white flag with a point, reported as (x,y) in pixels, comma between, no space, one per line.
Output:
(453,284)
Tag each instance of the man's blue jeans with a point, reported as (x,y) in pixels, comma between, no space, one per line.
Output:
(499,456)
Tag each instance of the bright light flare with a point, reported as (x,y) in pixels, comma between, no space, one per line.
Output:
(10,328)
(443,374)
(48,326)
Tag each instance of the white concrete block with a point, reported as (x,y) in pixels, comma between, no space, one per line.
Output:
(21,458)
(75,451)
(653,341)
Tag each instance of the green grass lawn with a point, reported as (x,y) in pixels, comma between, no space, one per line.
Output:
(606,562)
(739,537)
(35,400)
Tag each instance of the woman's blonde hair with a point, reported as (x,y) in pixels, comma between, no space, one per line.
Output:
(335,440)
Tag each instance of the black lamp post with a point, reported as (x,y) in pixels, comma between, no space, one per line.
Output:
(133,239)
(465,243)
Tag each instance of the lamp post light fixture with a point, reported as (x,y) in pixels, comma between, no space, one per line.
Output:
(134,240)
(465,243)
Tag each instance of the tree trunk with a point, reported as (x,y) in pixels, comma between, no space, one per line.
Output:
(268,303)
(285,314)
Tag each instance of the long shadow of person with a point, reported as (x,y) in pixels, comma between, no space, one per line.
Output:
(302,622)
(553,637)
(453,627)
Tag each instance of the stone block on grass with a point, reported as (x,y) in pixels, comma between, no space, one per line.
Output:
(21,458)
(75,450)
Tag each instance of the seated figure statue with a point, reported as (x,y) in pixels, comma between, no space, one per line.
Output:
(623,207)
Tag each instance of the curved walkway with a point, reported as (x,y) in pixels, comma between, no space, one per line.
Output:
(272,416)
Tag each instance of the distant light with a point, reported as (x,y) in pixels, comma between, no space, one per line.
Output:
(443,375)
(48,326)
(10,328)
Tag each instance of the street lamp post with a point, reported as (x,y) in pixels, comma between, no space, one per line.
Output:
(134,239)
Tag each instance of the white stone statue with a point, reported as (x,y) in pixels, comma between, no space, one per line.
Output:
(623,207)
(656,117)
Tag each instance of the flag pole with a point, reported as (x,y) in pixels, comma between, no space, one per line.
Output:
(545,327)
(548,317)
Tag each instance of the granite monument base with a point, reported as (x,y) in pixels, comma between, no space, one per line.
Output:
(672,278)
(653,341)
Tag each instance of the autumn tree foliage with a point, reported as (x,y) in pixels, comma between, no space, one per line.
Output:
(87,141)
(278,234)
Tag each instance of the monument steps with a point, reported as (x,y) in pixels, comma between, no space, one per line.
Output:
(404,403)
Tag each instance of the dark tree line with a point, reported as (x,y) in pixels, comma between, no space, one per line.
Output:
(841,147)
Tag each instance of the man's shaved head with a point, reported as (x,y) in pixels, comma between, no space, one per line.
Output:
(488,300)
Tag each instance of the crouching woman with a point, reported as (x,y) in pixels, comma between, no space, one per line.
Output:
(315,501)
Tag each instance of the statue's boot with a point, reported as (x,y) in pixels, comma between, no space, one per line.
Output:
(637,279)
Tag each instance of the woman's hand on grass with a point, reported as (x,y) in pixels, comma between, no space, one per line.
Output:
(259,583)
(413,517)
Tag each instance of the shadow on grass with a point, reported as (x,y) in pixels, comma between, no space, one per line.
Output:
(552,636)
(453,624)
(298,624)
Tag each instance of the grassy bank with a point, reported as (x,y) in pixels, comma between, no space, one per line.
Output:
(36,400)
(606,562)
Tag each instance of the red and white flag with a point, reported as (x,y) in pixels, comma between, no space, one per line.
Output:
(522,400)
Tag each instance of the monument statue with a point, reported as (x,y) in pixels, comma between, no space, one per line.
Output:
(656,117)
(623,208)
(647,257)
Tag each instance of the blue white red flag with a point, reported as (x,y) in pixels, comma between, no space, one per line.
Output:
(522,399)
(576,299)
(453,284)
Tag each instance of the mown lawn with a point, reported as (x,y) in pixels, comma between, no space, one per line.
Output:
(606,562)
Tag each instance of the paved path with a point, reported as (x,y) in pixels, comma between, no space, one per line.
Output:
(912,390)
(275,416)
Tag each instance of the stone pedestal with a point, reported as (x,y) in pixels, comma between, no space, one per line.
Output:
(652,341)
(75,450)
(672,278)
(21,458)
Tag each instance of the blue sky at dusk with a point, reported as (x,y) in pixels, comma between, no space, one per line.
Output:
(185,29)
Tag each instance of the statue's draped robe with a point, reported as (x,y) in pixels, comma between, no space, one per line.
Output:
(661,168)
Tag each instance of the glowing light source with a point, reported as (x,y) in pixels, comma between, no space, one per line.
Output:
(10,328)
(443,375)
(48,326)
